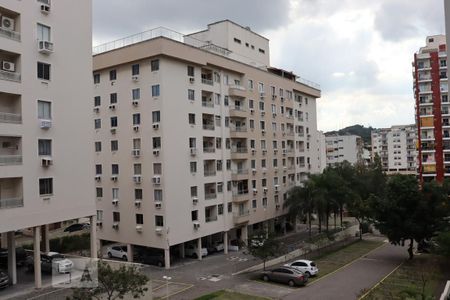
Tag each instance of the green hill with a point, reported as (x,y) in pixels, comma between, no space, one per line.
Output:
(360,130)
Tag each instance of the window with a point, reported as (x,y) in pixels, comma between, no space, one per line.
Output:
(137,143)
(219,143)
(138,194)
(115,169)
(250,84)
(220,187)
(44,110)
(136,119)
(261,106)
(116,217)
(191,118)
(136,94)
(261,51)
(159,221)
(45,147)
(156,116)
(225,100)
(113,121)
(139,219)
(158,195)
(264,202)
(190,71)
(192,142)
(98,169)
(98,146)
(254,203)
(97,101)
(96,78)
(228,164)
(157,169)
(262,125)
(194,215)
(135,69)
(191,94)
(252,124)
(261,87)
(113,98)
(238,41)
(97,123)
(112,75)
(156,142)
(194,191)
(220,209)
(137,168)
(155,90)
(251,103)
(154,65)
(43,32)
(230,207)
(99,192)
(193,167)
(114,145)
(45,186)
(219,165)
(43,71)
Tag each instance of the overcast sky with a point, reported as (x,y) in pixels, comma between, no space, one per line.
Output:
(360,51)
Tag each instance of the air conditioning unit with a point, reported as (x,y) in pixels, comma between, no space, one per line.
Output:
(156,179)
(253,150)
(263,113)
(135,77)
(264,151)
(99,223)
(277,187)
(274,97)
(255,191)
(158,205)
(45,47)
(135,102)
(252,111)
(137,178)
(113,130)
(193,151)
(136,128)
(265,190)
(7,23)
(45,8)
(196,225)
(158,230)
(284,151)
(112,106)
(254,171)
(191,79)
(114,177)
(46,162)
(282,99)
(136,152)
(115,225)
(137,203)
(194,200)
(45,124)
(278,206)
(262,94)
(97,109)
(156,152)
(139,228)
(275,151)
(155,126)
(98,177)
(8,66)
(274,115)
(115,202)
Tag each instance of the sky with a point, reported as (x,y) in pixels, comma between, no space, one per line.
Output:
(359,51)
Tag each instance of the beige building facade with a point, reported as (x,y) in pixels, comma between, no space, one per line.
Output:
(194,146)
(45,145)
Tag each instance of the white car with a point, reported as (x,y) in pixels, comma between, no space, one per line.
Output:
(306,266)
(59,262)
(191,250)
(117,252)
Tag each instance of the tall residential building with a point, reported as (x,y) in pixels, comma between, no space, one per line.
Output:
(340,148)
(45,137)
(194,144)
(396,147)
(432,109)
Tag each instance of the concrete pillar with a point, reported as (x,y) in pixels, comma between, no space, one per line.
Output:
(225,242)
(4,240)
(37,257)
(199,248)
(167,257)
(93,237)
(130,252)
(12,266)
(266,228)
(244,234)
(45,238)
(182,254)
(271,225)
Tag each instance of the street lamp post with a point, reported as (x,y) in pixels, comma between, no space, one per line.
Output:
(167,278)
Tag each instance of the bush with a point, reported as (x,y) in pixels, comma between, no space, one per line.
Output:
(365,228)
(67,243)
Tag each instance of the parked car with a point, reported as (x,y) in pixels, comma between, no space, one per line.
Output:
(191,250)
(306,266)
(117,252)
(215,247)
(77,227)
(21,256)
(52,262)
(4,280)
(287,275)
(152,259)
(234,245)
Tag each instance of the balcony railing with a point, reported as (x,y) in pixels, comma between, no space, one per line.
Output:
(238,193)
(239,150)
(10,34)
(10,118)
(241,216)
(209,196)
(11,203)
(207,81)
(239,172)
(210,219)
(10,159)
(207,104)
(209,149)
(11,76)
(238,108)
(208,126)
(238,129)
(210,173)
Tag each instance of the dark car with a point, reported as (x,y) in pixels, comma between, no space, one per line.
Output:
(52,262)
(21,256)
(152,259)
(4,280)
(285,275)
(77,227)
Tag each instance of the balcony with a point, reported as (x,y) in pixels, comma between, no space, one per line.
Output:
(210,196)
(10,76)
(10,34)
(207,99)
(238,131)
(241,195)
(238,111)
(11,202)
(241,217)
(237,91)
(239,174)
(10,151)
(10,118)
(7,160)
(207,77)
(12,193)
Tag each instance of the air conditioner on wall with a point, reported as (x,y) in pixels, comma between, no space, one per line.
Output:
(155,126)
(135,77)
(156,180)
(45,8)
(8,66)
(46,162)
(7,23)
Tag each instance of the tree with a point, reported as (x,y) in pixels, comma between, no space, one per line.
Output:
(113,284)
(443,244)
(263,246)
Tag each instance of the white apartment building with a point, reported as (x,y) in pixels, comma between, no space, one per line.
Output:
(342,148)
(322,150)
(45,145)
(396,147)
(194,144)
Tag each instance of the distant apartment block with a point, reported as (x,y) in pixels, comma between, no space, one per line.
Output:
(197,138)
(432,109)
(396,148)
(340,148)
(322,151)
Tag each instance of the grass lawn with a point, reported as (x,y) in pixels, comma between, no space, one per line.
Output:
(228,295)
(420,276)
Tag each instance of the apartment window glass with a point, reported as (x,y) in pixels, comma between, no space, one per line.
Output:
(156,142)
(251,103)
(194,191)
(96,78)
(194,215)
(225,100)
(113,98)
(44,110)
(139,219)
(220,187)
(136,144)
(97,101)
(228,164)
(156,116)
(135,69)
(98,169)
(45,186)
(264,202)
(112,75)
(115,193)
(154,65)
(43,32)
(250,84)
(98,146)
(252,124)
(192,142)
(115,169)
(137,169)
(191,94)
(261,87)
(261,106)
(136,94)
(113,121)
(97,123)
(193,167)
(157,169)
(262,125)
(43,71)
(219,143)
(114,145)
(116,217)
(159,221)
(136,119)
(99,192)
(230,207)
(191,118)
(220,209)
(155,90)
(138,194)
(158,195)
(219,165)
(190,71)
(45,147)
